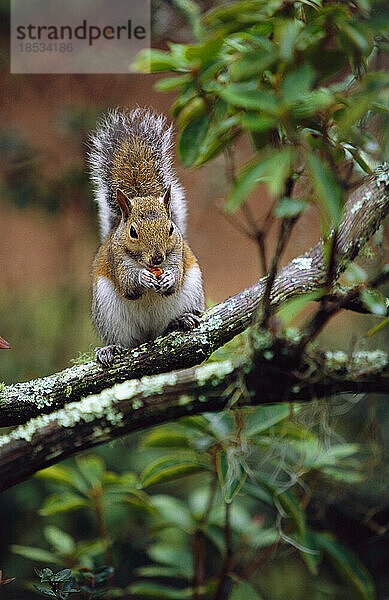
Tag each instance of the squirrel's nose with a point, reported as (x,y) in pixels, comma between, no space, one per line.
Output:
(157,259)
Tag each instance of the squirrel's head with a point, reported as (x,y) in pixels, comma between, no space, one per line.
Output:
(146,229)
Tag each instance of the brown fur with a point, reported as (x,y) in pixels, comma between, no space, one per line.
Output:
(151,220)
(134,166)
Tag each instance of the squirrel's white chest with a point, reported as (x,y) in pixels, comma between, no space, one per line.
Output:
(133,322)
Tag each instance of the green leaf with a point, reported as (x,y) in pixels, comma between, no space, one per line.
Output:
(92,468)
(258,122)
(103,573)
(219,425)
(179,558)
(356,38)
(291,308)
(231,13)
(187,96)
(291,507)
(158,61)
(190,112)
(165,437)
(191,138)
(45,591)
(263,538)
(231,475)
(315,455)
(246,95)
(204,54)
(290,207)
(258,491)
(311,103)
(168,84)
(355,274)
(90,548)
(44,574)
(62,542)
(63,575)
(162,592)
(348,567)
(265,417)
(375,302)
(155,571)
(329,193)
(192,14)
(173,511)
(36,554)
(198,500)
(309,550)
(356,109)
(272,170)
(253,64)
(345,474)
(64,476)
(242,590)
(287,34)
(170,467)
(297,83)
(218,138)
(57,503)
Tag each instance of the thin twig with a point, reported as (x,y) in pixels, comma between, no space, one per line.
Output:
(197,563)
(235,222)
(328,309)
(283,237)
(96,495)
(221,592)
(285,231)
(198,541)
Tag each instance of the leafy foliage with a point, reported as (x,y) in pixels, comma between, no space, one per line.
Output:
(301,79)
(266,500)
(61,584)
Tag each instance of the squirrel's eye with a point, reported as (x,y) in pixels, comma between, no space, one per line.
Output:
(133,233)
(171,229)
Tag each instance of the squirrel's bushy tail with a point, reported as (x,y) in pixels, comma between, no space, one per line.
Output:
(130,151)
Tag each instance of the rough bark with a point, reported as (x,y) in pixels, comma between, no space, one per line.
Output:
(364,212)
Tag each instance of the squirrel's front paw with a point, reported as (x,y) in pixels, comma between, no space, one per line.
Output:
(185,322)
(106,354)
(167,283)
(148,281)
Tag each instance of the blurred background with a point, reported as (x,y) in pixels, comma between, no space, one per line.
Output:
(48,237)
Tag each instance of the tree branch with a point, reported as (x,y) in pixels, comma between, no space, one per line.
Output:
(364,211)
(139,404)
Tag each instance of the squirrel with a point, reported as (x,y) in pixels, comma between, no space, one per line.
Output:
(146,279)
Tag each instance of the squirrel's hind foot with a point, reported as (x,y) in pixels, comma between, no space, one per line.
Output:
(185,322)
(106,354)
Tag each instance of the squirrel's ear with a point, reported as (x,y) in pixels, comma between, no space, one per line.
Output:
(166,199)
(124,203)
